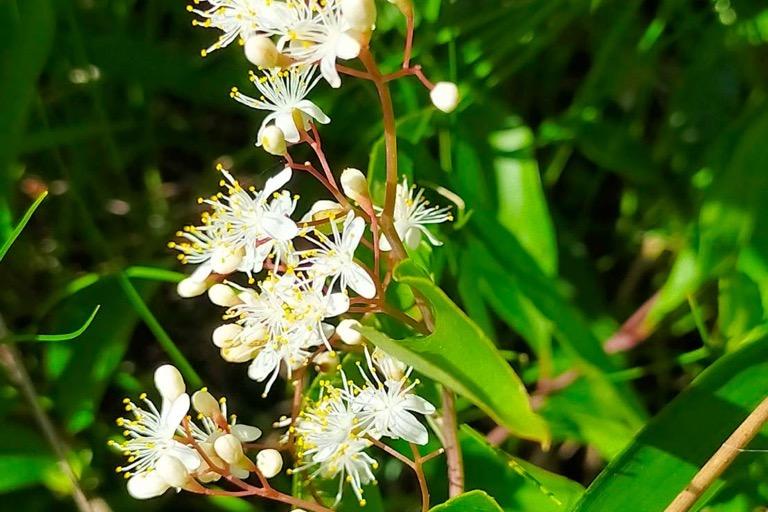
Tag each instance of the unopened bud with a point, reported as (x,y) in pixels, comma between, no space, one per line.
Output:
(229,448)
(272,139)
(172,470)
(143,486)
(169,382)
(347,331)
(445,96)
(225,260)
(223,295)
(359,14)
(261,51)
(189,288)
(388,365)
(224,334)
(205,404)
(269,462)
(355,185)
(326,362)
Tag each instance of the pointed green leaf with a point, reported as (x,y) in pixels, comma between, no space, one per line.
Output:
(21,225)
(60,337)
(459,355)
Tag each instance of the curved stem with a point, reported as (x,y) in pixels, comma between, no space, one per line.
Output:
(418,468)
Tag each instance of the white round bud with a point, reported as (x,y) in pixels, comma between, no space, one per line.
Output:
(273,140)
(189,288)
(225,260)
(223,295)
(347,331)
(445,96)
(143,486)
(205,404)
(355,185)
(269,462)
(172,470)
(326,361)
(224,334)
(261,51)
(359,14)
(229,448)
(169,382)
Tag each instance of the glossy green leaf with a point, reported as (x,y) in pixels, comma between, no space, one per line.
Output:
(513,482)
(678,441)
(473,501)
(460,356)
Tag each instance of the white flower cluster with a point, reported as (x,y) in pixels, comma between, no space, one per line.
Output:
(159,445)
(279,324)
(280,33)
(334,432)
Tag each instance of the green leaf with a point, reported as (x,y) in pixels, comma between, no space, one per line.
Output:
(666,455)
(59,337)
(473,501)
(513,482)
(24,457)
(460,356)
(21,225)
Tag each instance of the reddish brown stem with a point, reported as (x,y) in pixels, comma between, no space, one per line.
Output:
(418,468)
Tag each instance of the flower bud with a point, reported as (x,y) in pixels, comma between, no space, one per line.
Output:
(388,365)
(144,486)
(355,185)
(347,331)
(189,288)
(224,334)
(169,382)
(225,260)
(445,96)
(229,448)
(273,140)
(261,51)
(172,470)
(205,404)
(223,295)
(405,6)
(245,433)
(359,14)
(326,362)
(269,462)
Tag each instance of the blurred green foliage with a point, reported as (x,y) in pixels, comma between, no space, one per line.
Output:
(608,151)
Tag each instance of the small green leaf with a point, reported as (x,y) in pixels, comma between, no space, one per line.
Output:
(460,356)
(59,337)
(21,225)
(473,501)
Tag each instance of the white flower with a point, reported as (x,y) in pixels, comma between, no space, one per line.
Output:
(334,258)
(151,435)
(412,214)
(320,33)
(386,407)
(283,93)
(243,230)
(283,324)
(239,19)
(330,441)
(445,96)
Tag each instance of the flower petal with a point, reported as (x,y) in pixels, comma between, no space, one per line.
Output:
(144,486)
(313,111)
(329,72)
(279,227)
(264,364)
(337,304)
(173,414)
(246,433)
(277,182)
(347,47)
(185,454)
(284,121)
(360,281)
(417,404)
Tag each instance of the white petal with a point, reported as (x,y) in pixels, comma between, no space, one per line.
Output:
(277,182)
(417,404)
(246,433)
(187,455)
(202,272)
(384,243)
(266,122)
(329,72)
(144,486)
(313,111)
(284,121)
(264,364)
(338,303)
(353,233)
(407,427)
(432,239)
(279,227)
(347,47)
(360,281)
(172,417)
(413,238)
